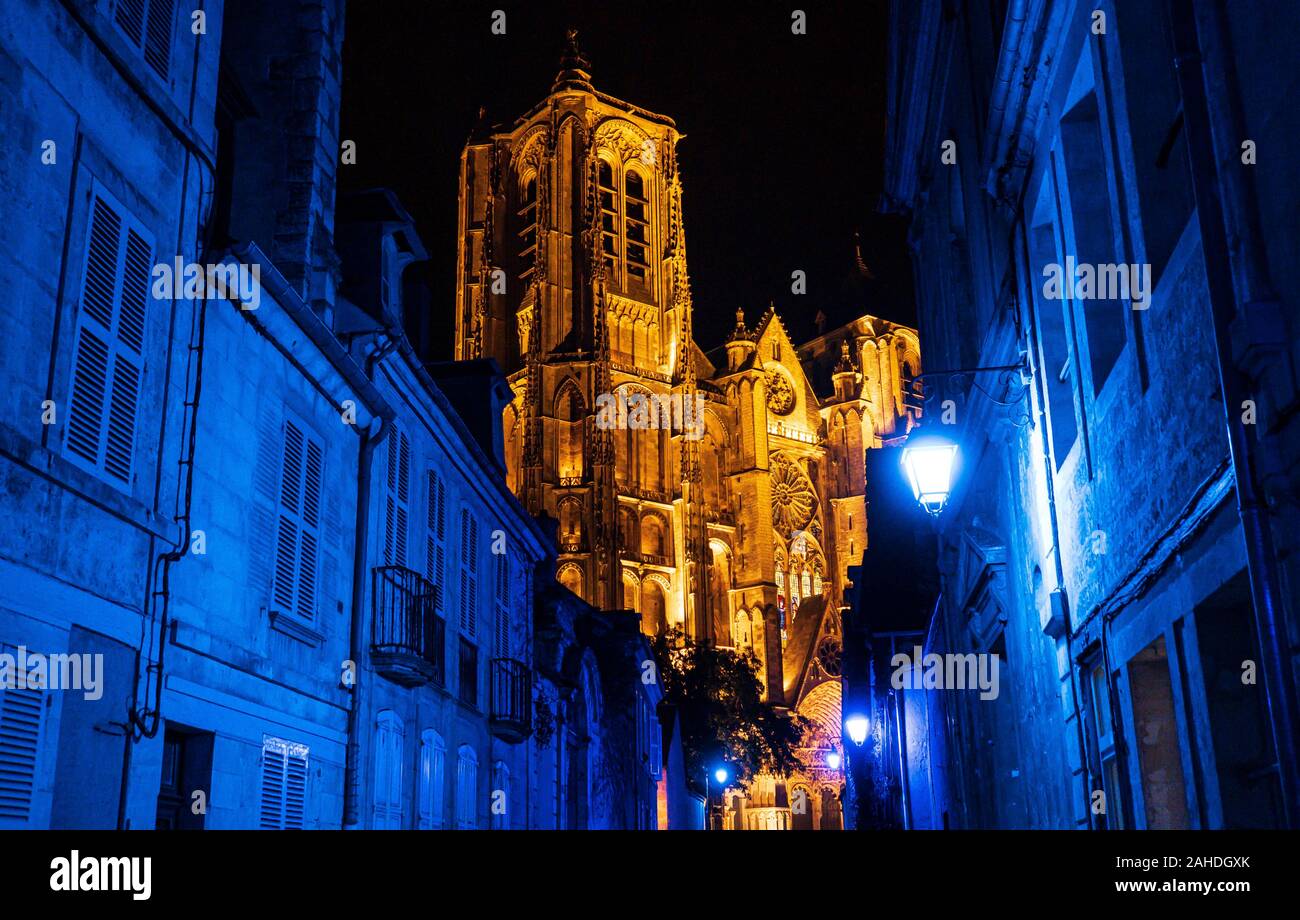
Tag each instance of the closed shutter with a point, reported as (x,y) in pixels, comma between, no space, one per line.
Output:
(108,362)
(298,542)
(502,632)
(397,499)
(468,574)
(433,755)
(435,540)
(466,788)
(284,785)
(147,24)
(20,738)
(388,772)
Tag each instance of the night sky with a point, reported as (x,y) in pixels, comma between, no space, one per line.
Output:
(781,164)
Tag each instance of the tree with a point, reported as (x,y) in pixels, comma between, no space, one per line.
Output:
(722,715)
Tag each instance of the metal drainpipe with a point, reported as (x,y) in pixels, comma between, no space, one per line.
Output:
(1279,682)
(366,452)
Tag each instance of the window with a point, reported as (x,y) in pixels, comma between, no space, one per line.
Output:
(1105,765)
(147,24)
(500,796)
(433,754)
(468,574)
(648,733)
(389,738)
(466,784)
(636,227)
(108,362)
(284,784)
(468,672)
(1082,171)
(397,499)
(435,540)
(609,220)
(528,227)
(21,708)
(1155,729)
(1055,329)
(1155,121)
(296,547)
(502,632)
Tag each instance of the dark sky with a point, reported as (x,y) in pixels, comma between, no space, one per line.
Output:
(781,163)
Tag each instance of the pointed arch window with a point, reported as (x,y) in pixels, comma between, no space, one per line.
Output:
(466,784)
(388,771)
(528,226)
(636,227)
(609,230)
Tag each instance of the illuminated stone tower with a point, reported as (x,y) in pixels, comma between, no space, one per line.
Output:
(737,529)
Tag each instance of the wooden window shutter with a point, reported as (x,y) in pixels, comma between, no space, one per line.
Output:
(398,499)
(20,736)
(469,574)
(503,606)
(298,544)
(108,362)
(147,24)
(284,785)
(436,533)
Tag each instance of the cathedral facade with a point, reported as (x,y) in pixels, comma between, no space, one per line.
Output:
(725,499)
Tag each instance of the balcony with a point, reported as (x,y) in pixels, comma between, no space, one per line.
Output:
(406,633)
(467,686)
(511,718)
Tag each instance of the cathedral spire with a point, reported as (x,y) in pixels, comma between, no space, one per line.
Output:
(575,68)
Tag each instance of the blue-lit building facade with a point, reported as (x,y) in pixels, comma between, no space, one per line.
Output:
(1122,529)
(262,552)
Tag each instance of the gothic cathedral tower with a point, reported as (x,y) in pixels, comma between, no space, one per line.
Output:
(737,527)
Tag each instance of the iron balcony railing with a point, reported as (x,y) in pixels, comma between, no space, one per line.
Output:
(406,633)
(511,716)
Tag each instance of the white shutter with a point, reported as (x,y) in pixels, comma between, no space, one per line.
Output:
(433,754)
(466,786)
(108,362)
(468,574)
(500,787)
(298,543)
(435,539)
(148,26)
(284,785)
(20,738)
(388,771)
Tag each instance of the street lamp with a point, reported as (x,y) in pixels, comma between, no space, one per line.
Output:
(833,759)
(857,725)
(721,774)
(928,461)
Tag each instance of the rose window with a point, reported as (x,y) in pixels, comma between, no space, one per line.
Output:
(780,394)
(793,499)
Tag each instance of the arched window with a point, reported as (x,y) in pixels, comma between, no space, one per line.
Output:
(433,754)
(817,581)
(631,592)
(741,633)
(636,227)
(528,227)
(609,220)
(571,577)
(653,539)
(389,736)
(466,788)
(500,805)
(807,584)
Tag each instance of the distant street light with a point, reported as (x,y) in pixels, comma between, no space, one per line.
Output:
(928,461)
(721,775)
(833,759)
(857,725)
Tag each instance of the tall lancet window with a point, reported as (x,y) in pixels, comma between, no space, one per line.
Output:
(528,227)
(609,220)
(637,227)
